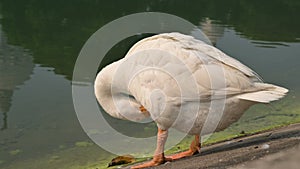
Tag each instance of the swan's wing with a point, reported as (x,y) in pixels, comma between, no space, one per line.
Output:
(215,73)
(180,44)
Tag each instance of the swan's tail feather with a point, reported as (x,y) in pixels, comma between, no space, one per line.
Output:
(267,93)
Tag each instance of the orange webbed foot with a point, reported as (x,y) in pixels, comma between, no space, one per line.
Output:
(157,160)
(194,149)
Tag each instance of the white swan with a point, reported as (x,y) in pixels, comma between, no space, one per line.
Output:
(177,80)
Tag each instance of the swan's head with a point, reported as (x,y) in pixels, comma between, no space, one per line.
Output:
(115,99)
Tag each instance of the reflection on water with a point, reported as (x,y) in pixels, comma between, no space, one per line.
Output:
(16,66)
(212,29)
(37,117)
(278,65)
(268,44)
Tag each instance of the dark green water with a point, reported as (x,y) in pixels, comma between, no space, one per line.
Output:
(41,39)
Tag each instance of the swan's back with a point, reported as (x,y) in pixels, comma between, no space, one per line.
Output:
(208,65)
(184,45)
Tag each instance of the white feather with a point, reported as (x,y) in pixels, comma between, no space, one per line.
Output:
(268,94)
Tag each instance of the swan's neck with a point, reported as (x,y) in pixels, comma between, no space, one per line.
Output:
(112,97)
(103,91)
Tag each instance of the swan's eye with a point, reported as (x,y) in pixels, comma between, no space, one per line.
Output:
(126,95)
(131,97)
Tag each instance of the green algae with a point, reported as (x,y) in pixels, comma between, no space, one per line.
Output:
(83,144)
(90,157)
(54,158)
(15,152)
(62,146)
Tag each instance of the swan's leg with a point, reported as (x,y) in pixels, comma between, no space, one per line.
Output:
(194,149)
(158,157)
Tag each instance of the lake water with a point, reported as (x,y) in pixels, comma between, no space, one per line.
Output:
(40,41)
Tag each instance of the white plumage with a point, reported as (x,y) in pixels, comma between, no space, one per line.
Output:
(178,80)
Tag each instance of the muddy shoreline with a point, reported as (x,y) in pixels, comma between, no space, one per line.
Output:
(253,151)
